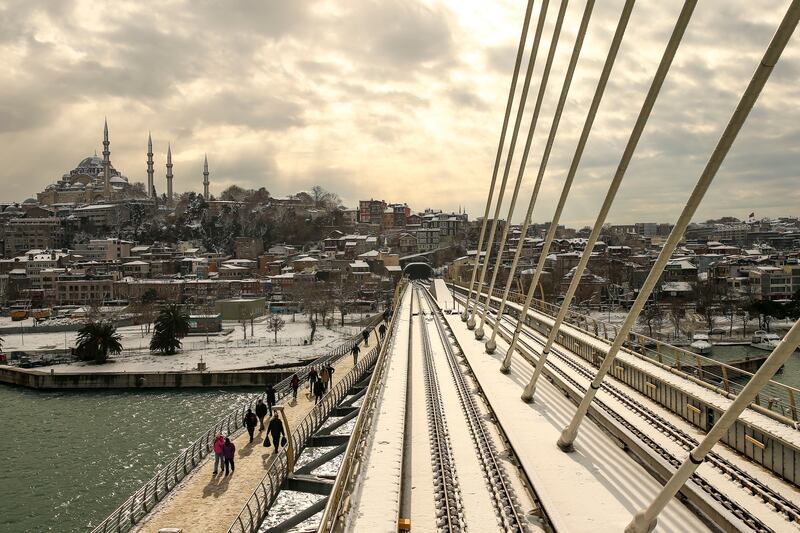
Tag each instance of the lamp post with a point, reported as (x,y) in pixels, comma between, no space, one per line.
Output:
(288,434)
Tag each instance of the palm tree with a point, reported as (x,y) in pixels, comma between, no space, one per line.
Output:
(171,325)
(96,340)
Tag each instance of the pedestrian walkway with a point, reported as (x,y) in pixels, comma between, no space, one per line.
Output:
(208,503)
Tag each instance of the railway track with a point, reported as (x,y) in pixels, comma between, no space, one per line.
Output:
(449,509)
(775,500)
(503,498)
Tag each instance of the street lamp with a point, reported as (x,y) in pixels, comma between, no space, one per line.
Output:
(288,434)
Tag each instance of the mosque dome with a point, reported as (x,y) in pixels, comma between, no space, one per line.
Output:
(118,180)
(29,201)
(92,161)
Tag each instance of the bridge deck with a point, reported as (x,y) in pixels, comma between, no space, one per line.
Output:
(203,502)
(378,492)
(598,487)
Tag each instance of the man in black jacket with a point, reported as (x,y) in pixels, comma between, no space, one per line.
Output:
(275,430)
(250,421)
(261,412)
(270,397)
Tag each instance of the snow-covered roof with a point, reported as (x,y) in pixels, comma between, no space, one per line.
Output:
(676,286)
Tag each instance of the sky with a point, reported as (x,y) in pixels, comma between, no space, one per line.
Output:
(400,100)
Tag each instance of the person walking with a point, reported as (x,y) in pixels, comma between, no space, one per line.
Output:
(365,334)
(228,450)
(387,314)
(331,370)
(295,385)
(355,351)
(270,397)
(276,431)
(324,377)
(219,459)
(319,390)
(261,412)
(312,378)
(250,422)
(382,331)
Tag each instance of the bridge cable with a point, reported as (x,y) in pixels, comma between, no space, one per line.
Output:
(630,148)
(534,121)
(511,148)
(540,175)
(509,105)
(491,344)
(716,159)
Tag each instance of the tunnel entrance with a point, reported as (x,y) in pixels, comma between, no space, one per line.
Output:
(418,271)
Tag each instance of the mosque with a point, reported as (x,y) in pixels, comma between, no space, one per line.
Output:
(95,180)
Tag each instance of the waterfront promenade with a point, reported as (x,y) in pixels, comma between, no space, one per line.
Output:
(203,502)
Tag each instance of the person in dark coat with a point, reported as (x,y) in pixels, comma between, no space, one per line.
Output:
(228,451)
(355,351)
(382,331)
(295,385)
(250,422)
(330,374)
(312,378)
(275,430)
(261,412)
(365,334)
(270,396)
(324,377)
(319,390)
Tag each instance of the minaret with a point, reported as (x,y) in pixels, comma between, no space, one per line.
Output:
(169,174)
(150,190)
(205,178)
(106,162)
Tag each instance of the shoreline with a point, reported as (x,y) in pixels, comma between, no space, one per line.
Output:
(193,379)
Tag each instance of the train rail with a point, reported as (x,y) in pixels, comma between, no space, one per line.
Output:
(505,501)
(449,508)
(775,500)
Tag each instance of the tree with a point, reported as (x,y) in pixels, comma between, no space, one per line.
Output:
(96,340)
(706,297)
(323,198)
(171,325)
(766,310)
(652,315)
(676,313)
(274,324)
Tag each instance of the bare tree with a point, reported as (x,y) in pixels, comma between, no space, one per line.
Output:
(676,313)
(652,315)
(274,324)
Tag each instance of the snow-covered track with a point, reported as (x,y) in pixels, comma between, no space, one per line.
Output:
(449,509)
(768,495)
(505,502)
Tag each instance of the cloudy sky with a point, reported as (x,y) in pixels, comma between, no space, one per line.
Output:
(393,99)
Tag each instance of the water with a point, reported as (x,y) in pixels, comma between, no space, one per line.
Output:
(70,458)
(790,375)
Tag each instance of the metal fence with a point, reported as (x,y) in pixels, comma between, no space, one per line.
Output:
(153,491)
(775,397)
(257,506)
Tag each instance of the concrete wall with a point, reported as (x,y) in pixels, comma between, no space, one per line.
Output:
(37,379)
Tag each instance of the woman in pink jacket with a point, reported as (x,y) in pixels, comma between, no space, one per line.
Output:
(219,459)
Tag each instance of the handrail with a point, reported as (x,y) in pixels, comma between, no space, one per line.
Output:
(346,470)
(780,399)
(256,508)
(145,498)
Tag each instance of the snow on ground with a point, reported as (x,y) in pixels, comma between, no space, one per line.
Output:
(228,352)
